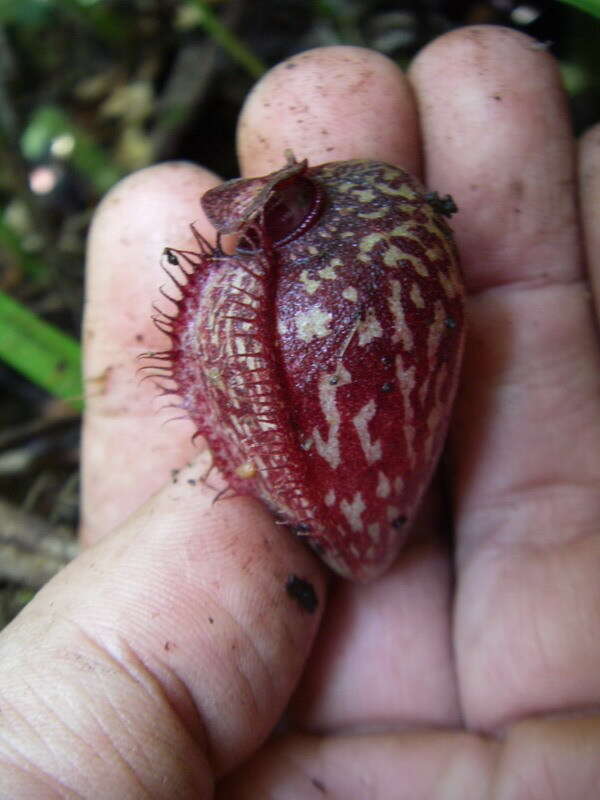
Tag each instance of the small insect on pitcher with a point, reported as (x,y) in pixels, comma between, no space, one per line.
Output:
(320,358)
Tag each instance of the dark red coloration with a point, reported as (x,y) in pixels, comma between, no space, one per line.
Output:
(320,360)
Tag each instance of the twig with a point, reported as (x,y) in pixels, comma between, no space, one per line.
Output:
(17,435)
(183,93)
(228,40)
(31,551)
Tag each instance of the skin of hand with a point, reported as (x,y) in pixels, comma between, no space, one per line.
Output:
(157,664)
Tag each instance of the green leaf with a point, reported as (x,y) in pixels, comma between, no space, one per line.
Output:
(30,13)
(40,351)
(228,40)
(591,6)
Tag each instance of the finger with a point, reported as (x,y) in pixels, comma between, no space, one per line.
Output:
(161,657)
(329,104)
(526,438)
(537,758)
(589,171)
(129,450)
(484,142)
(341,103)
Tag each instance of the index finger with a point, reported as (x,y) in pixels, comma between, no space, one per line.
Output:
(128,450)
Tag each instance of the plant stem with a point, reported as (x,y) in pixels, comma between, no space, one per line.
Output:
(228,40)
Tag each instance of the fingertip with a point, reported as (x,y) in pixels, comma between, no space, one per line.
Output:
(134,221)
(330,103)
(473,85)
(139,216)
(476,45)
(496,135)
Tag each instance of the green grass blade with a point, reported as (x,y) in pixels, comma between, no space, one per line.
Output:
(228,41)
(41,352)
(591,6)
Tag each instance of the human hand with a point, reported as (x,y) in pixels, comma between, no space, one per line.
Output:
(158,662)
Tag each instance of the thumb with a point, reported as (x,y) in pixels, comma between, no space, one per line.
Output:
(160,658)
